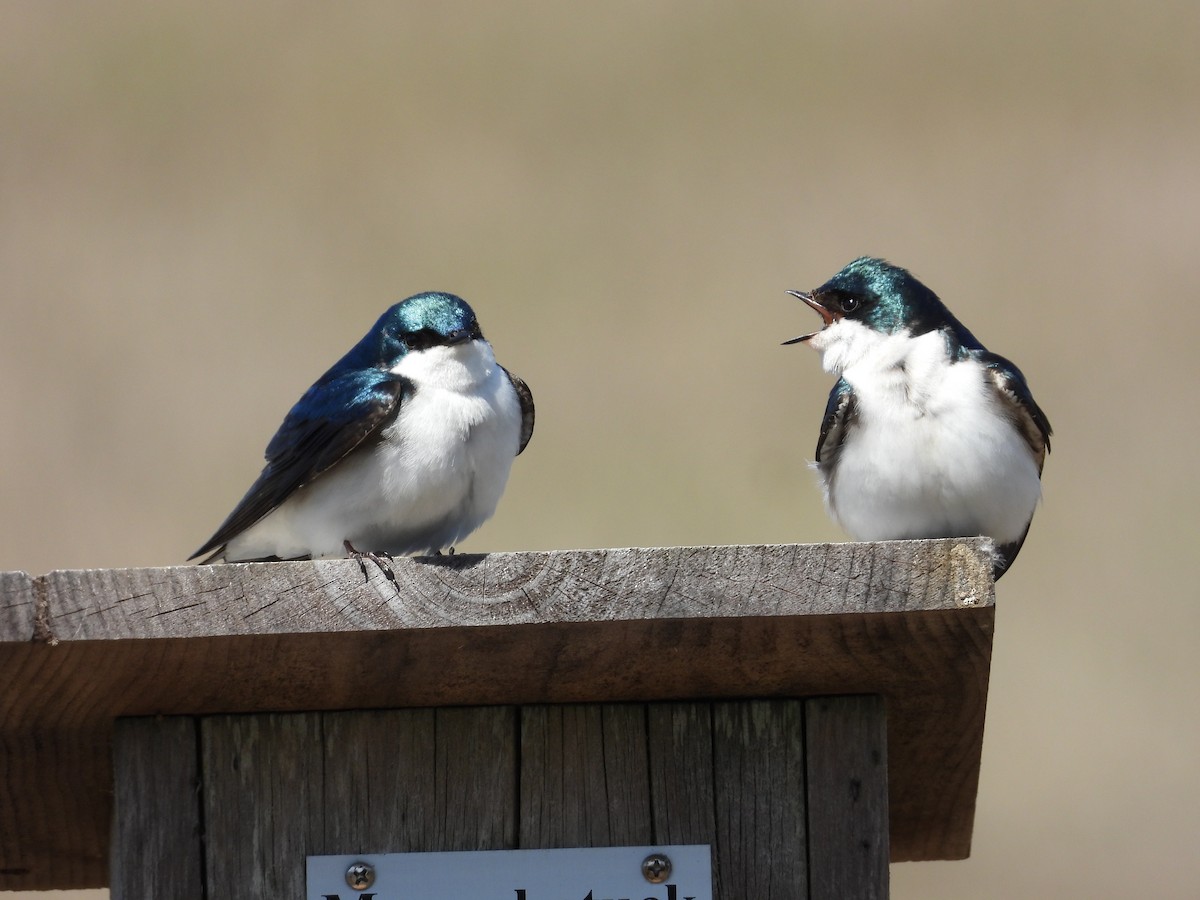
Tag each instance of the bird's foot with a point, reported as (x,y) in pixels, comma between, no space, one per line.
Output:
(383,560)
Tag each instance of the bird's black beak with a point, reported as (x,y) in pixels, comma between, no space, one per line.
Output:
(827,317)
(462,335)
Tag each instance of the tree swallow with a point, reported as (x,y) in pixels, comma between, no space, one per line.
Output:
(403,447)
(926,434)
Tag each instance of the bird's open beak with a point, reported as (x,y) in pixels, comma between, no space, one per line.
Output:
(827,317)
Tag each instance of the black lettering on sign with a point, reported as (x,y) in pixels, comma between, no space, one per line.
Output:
(672,894)
(357,896)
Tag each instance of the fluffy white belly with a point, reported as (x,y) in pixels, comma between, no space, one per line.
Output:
(941,461)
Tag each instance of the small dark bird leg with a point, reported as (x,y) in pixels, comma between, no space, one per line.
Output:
(377,558)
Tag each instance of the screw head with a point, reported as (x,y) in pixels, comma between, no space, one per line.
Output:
(656,868)
(360,876)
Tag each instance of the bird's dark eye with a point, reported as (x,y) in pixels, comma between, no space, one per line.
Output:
(417,340)
(849,304)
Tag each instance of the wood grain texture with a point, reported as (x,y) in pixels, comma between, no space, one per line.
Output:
(476,779)
(379,781)
(759,774)
(846,744)
(681,774)
(515,589)
(17,607)
(156,810)
(682,788)
(262,807)
(584,776)
(910,620)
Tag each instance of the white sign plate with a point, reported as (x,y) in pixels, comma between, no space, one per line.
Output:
(595,873)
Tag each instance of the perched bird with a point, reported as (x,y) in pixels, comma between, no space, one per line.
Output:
(926,434)
(404,446)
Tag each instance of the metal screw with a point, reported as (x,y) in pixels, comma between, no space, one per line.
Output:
(656,868)
(360,876)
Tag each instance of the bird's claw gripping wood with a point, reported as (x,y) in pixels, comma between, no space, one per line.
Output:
(377,558)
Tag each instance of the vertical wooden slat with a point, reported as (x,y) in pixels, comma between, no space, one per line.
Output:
(263,805)
(475,806)
(584,777)
(627,773)
(846,743)
(681,773)
(760,801)
(681,779)
(379,781)
(156,840)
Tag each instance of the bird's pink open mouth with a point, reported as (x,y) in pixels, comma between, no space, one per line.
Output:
(827,317)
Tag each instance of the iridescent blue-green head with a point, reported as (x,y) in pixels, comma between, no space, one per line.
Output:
(431,319)
(884,298)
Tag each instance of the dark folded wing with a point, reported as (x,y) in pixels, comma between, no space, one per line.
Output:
(525,396)
(840,412)
(1015,395)
(1017,399)
(335,416)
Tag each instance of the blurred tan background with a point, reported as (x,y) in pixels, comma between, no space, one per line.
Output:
(202,206)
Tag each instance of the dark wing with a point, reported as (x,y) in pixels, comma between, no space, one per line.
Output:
(1017,399)
(840,413)
(335,416)
(1022,409)
(525,396)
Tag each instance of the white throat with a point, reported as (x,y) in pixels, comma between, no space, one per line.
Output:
(847,344)
(459,367)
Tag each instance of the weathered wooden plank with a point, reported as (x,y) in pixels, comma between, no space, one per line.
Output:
(682,779)
(584,776)
(476,779)
(514,589)
(380,770)
(627,773)
(156,810)
(909,620)
(846,742)
(758,753)
(262,789)
(17,608)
